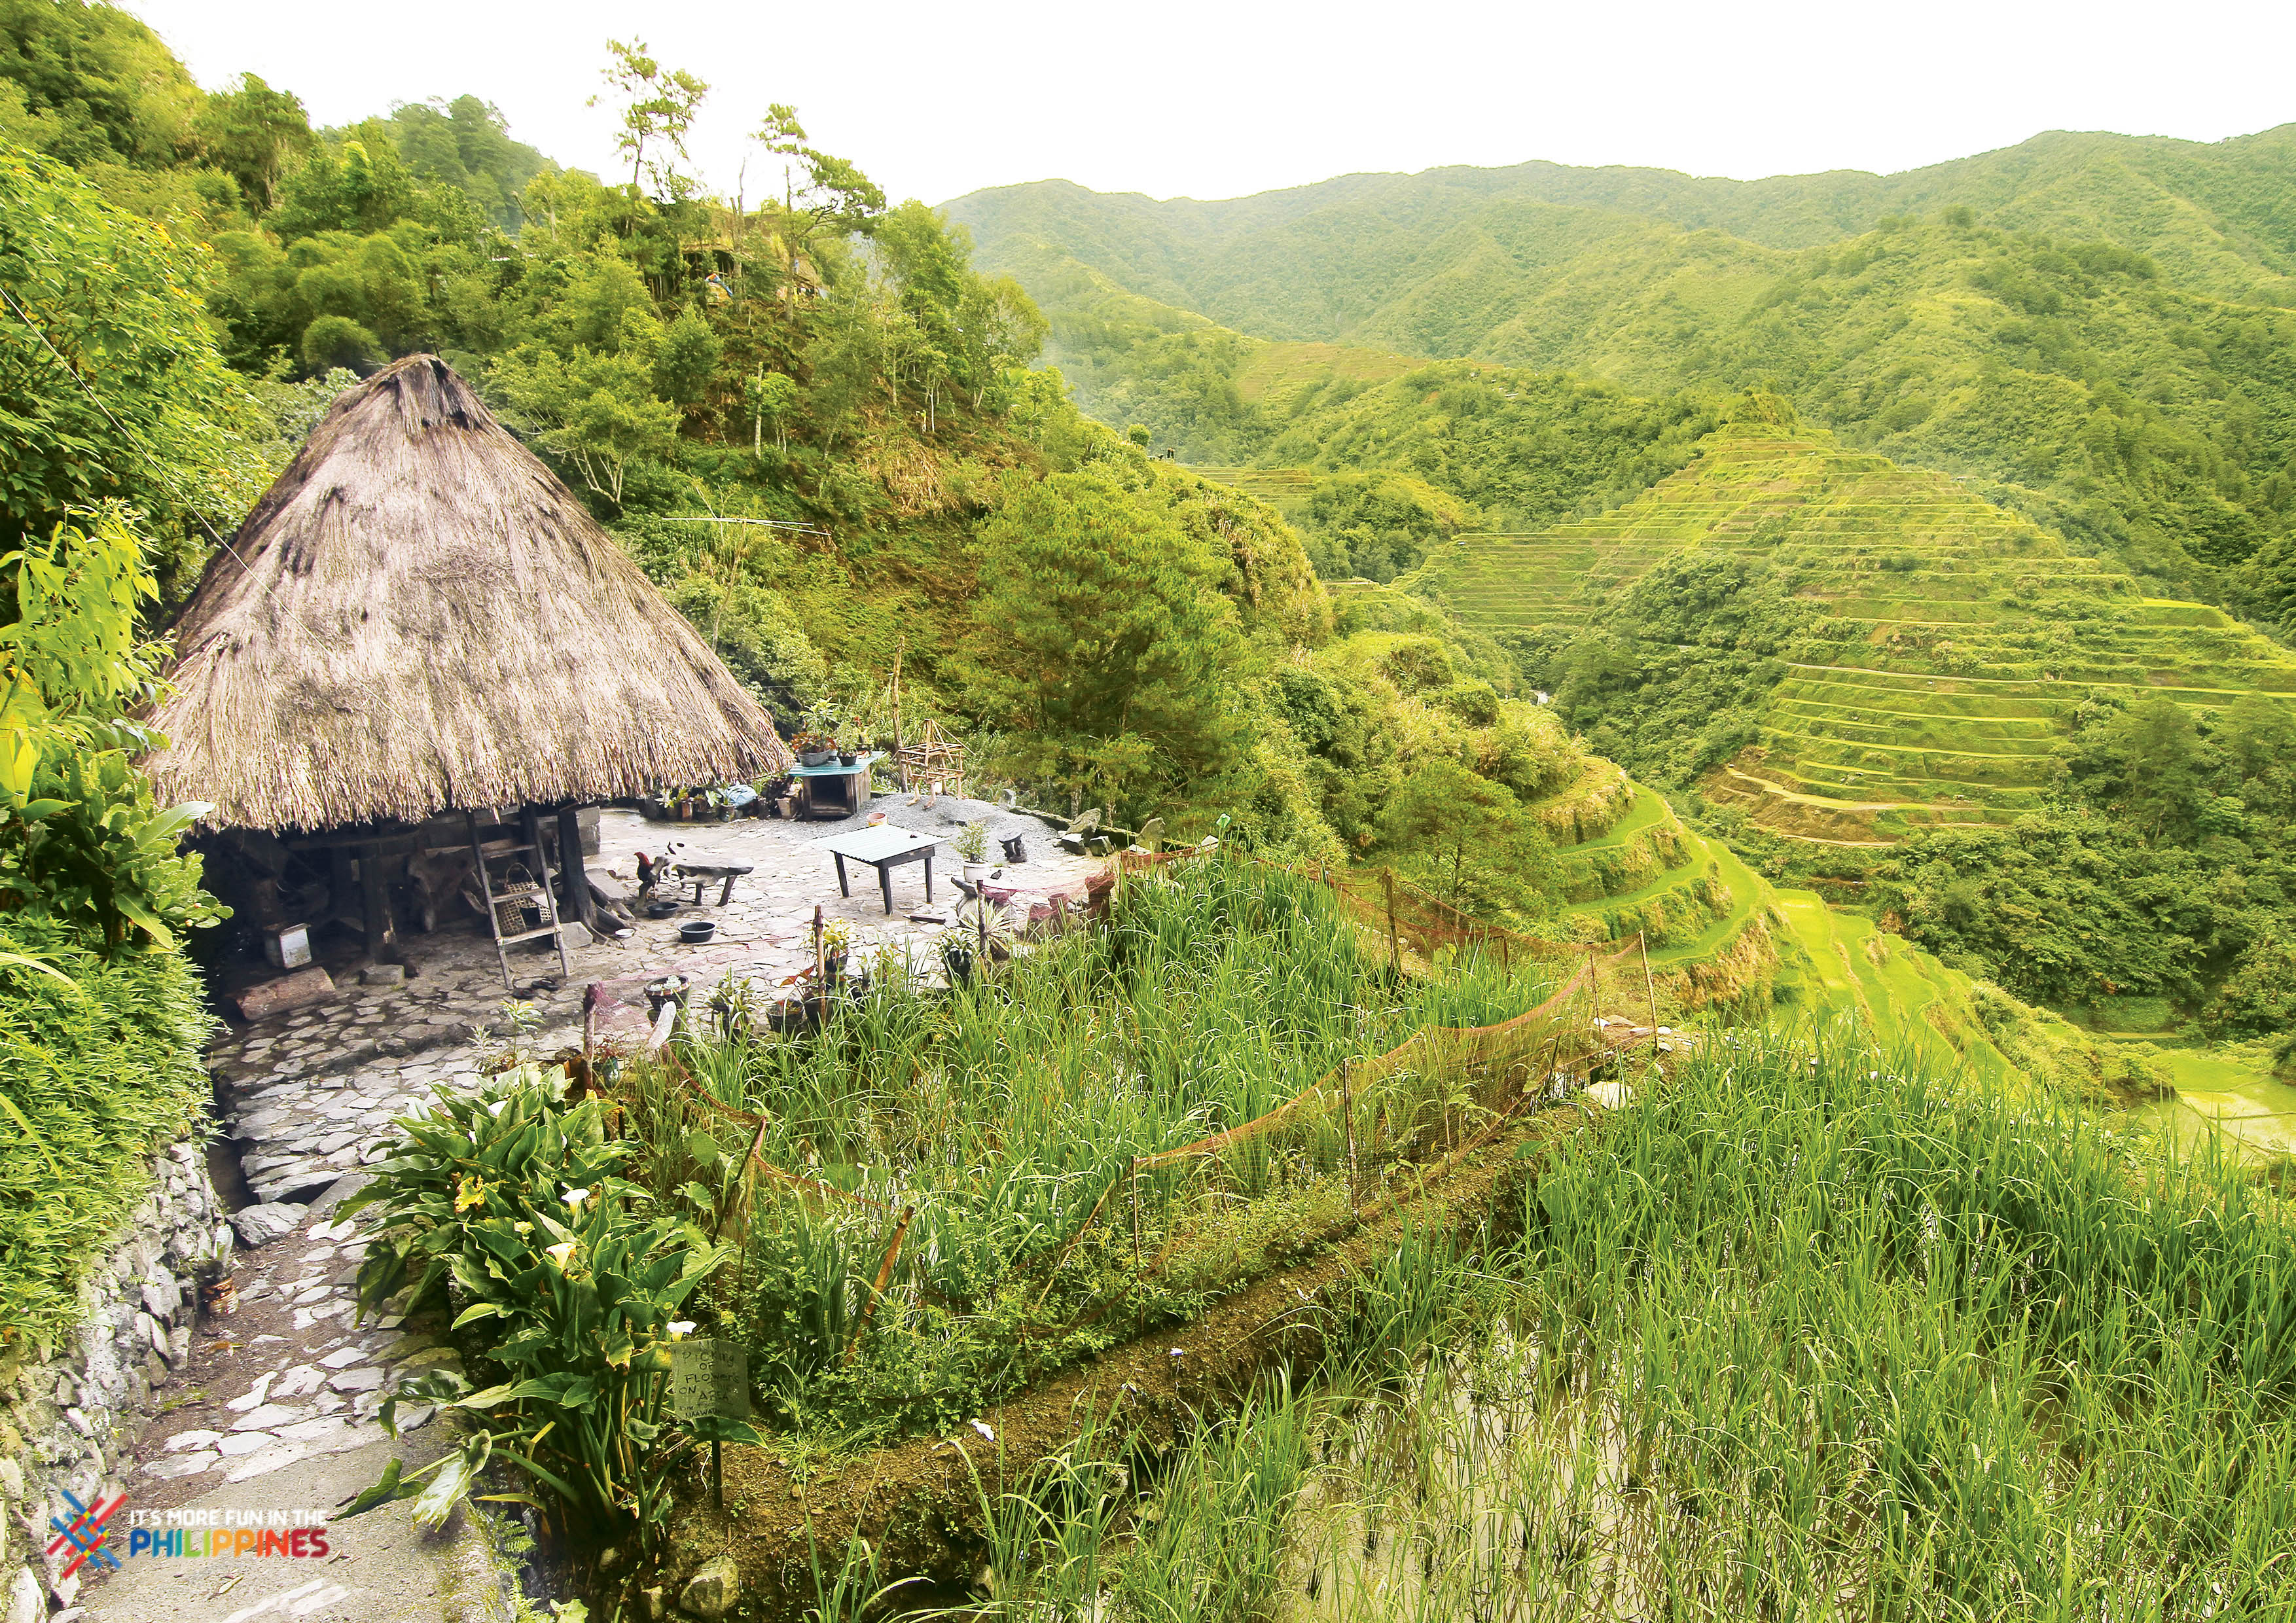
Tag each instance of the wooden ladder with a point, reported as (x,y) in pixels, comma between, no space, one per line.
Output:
(528,846)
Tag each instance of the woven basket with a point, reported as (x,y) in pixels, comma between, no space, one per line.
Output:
(518,906)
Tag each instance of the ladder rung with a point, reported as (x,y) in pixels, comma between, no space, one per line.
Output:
(530,935)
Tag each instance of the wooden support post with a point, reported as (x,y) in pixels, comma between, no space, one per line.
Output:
(1348,1114)
(579,902)
(341,883)
(1394,940)
(377,905)
(1595,984)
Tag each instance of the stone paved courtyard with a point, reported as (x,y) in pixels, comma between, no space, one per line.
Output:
(278,1397)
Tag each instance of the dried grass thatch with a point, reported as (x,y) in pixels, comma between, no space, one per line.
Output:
(420,617)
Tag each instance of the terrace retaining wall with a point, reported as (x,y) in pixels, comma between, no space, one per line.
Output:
(68,1414)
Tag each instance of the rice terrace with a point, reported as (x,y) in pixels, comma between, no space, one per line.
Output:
(1506,892)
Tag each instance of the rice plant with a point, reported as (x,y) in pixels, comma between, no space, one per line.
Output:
(945,1211)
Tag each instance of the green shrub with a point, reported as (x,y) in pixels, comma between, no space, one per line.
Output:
(94,1078)
(508,1201)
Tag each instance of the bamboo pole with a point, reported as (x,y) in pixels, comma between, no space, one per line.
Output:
(1348,1115)
(884,1277)
(1649,986)
(1394,940)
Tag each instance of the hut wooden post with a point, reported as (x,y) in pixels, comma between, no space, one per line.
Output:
(375,903)
(580,903)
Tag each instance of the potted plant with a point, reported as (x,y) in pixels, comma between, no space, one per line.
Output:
(971,843)
(813,750)
(836,942)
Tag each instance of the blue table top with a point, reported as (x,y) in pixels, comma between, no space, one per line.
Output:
(835,769)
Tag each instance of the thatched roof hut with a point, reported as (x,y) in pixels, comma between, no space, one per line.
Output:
(419,617)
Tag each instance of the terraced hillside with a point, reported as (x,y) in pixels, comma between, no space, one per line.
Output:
(1629,866)
(1950,640)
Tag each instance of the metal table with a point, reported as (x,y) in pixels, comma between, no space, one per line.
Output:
(885,849)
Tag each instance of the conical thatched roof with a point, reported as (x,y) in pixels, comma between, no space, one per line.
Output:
(427,619)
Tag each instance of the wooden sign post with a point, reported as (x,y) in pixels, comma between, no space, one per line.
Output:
(709,1379)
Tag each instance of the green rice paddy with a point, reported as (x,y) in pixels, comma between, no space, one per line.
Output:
(1953,644)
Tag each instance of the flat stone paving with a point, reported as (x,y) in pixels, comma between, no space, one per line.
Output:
(280,1396)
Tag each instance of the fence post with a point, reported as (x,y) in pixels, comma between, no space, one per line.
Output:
(1650,986)
(1394,940)
(1594,983)
(1132,1178)
(1348,1114)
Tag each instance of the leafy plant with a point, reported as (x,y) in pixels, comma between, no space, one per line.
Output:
(80,835)
(509,1203)
(971,842)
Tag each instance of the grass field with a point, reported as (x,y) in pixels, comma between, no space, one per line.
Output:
(1954,639)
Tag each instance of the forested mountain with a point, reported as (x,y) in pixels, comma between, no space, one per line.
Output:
(2098,323)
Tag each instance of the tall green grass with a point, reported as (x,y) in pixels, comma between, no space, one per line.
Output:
(1805,1332)
(1001,1115)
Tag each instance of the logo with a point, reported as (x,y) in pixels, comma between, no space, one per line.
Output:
(297,1533)
(85,1536)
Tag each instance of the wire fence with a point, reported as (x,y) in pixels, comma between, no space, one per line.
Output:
(1204,1218)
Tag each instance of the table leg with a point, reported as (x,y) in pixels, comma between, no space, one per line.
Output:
(885,884)
(727,894)
(843,887)
(928,879)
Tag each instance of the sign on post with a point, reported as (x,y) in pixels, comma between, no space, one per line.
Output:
(709,1379)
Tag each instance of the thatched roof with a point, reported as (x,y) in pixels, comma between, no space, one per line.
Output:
(420,617)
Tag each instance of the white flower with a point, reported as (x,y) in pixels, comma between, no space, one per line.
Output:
(981,1426)
(561,1252)
(574,1197)
(680,1327)
(495,1108)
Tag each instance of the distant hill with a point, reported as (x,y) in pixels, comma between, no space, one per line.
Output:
(2101,324)
(1854,650)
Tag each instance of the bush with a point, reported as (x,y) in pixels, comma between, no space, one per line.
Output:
(510,1197)
(95,1076)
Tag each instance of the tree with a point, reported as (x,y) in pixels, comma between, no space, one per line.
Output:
(111,387)
(658,108)
(596,411)
(1468,839)
(817,191)
(251,132)
(1101,643)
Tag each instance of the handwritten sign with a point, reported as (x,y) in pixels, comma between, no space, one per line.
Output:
(709,1378)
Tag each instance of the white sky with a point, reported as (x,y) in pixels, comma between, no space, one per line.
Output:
(1222,100)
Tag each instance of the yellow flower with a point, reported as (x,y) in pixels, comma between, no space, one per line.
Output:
(469,1192)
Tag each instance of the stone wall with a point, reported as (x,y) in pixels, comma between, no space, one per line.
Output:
(69,1415)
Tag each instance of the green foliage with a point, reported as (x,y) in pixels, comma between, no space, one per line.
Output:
(509,1201)
(80,837)
(1100,643)
(2167,867)
(110,389)
(98,1072)
(2117,363)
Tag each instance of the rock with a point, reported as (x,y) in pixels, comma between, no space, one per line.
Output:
(194,1439)
(184,1465)
(304,987)
(383,975)
(265,1416)
(300,1381)
(356,1381)
(711,1592)
(249,1442)
(12,1479)
(254,1395)
(270,1460)
(26,1604)
(272,1220)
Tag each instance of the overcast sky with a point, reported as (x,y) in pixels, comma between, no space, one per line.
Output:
(1222,99)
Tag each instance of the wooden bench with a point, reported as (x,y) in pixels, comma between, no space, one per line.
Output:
(700,873)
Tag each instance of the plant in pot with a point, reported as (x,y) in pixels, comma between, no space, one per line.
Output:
(971,843)
(813,748)
(849,746)
(836,943)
